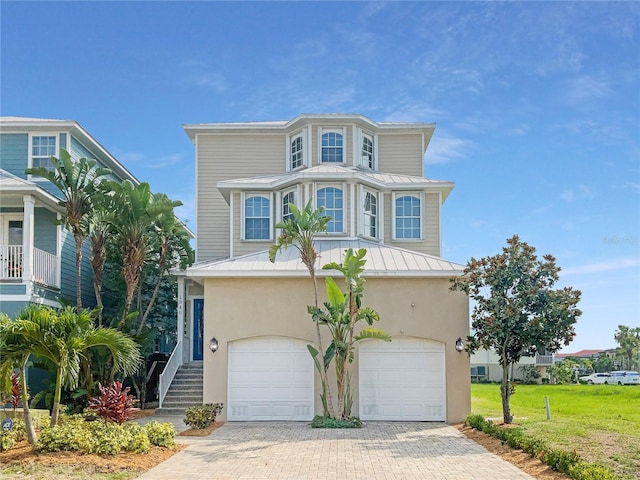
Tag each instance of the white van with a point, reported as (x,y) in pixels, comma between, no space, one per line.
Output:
(624,377)
(596,378)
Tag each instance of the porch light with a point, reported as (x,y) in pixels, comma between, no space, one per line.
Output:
(459,345)
(213,345)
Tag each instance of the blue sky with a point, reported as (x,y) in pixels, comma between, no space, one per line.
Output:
(537,107)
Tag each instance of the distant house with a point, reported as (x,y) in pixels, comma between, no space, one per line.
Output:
(369,177)
(37,256)
(583,354)
(485,366)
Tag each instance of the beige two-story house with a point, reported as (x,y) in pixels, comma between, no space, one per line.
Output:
(246,319)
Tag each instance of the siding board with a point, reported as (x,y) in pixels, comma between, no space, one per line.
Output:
(14,153)
(400,154)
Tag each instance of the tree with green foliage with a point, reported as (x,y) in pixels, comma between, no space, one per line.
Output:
(64,338)
(628,340)
(169,240)
(517,310)
(341,314)
(14,353)
(78,183)
(300,232)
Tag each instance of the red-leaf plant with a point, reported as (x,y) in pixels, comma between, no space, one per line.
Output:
(114,403)
(16,393)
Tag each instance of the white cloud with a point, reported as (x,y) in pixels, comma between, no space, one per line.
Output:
(586,88)
(579,193)
(611,265)
(447,148)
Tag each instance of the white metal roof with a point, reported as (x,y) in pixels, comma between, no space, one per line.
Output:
(12,188)
(379,180)
(382,261)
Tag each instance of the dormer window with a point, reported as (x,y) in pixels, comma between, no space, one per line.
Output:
(332,150)
(367,152)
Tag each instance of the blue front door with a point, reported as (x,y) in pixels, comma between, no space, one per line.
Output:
(198,328)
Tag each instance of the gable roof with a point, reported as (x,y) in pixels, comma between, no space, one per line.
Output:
(378,180)
(382,261)
(11,184)
(13,124)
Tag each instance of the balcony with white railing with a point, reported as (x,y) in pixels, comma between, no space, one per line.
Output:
(544,359)
(45,265)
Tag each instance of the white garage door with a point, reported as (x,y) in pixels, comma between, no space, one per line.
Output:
(402,380)
(270,379)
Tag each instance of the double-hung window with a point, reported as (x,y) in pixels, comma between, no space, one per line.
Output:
(332,146)
(407,217)
(367,152)
(297,152)
(43,147)
(288,199)
(257,217)
(331,199)
(370,215)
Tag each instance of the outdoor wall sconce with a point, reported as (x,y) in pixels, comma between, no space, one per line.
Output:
(459,345)
(213,345)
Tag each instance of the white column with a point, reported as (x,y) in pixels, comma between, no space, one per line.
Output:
(180,344)
(27,240)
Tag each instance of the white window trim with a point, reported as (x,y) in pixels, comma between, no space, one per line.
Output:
(282,194)
(56,135)
(306,149)
(420,196)
(243,197)
(341,186)
(362,230)
(358,138)
(340,130)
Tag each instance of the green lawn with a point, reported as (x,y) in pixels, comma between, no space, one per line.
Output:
(601,422)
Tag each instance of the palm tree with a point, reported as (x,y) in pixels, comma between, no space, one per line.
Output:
(629,340)
(98,233)
(77,181)
(341,314)
(14,350)
(133,212)
(170,239)
(300,231)
(65,337)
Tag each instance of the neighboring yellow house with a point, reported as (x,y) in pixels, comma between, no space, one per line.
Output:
(369,177)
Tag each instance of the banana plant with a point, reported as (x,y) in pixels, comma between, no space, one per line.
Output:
(341,312)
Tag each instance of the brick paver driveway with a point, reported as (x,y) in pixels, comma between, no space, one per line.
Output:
(379,451)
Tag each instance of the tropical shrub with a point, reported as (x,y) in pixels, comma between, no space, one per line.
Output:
(113,403)
(106,438)
(161,434)
(329,422)
(201,416)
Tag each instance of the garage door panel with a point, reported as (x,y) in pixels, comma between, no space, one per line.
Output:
(270,379)
(402,380)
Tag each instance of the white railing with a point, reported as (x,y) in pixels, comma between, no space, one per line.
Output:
(45,268)
(10,262)
(544,359)
(170,369)
(45,265)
